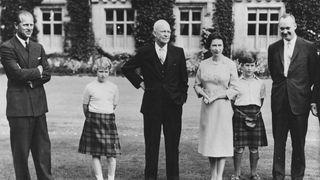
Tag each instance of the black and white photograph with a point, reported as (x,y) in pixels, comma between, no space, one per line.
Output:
(159,89)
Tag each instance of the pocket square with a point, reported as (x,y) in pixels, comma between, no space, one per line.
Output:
(39,58)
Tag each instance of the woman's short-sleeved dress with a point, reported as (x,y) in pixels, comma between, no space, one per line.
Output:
(216,132)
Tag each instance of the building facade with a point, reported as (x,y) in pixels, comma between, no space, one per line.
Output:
(113,21)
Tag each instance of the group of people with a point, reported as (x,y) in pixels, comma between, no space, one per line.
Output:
(230,115)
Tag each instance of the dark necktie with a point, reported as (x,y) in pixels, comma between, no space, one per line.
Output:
(27,46)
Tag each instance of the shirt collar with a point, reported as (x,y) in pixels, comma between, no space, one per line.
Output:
(165,47)
(242,77)
(292,41)
(22,41)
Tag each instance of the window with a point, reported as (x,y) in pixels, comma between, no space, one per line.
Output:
(119,21)
(119,27)
(263,22)
(52,21)
(262,27)
(190,22)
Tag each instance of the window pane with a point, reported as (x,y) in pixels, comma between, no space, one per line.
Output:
(252,16)
(196,16)
(130,29)
(109,15)
(196,29)
(57,16)
(120,29)
(109,29)
(251,29)
(57,29)
(46,29)
(46,16)
(184,16)
(273,29)
(274,17)
(262,29)
(263,17)
(120,15)
(130,15)
(184,29)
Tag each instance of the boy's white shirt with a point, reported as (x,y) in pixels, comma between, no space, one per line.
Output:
(250,92)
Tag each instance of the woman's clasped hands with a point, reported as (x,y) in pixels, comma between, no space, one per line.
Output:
(209,100)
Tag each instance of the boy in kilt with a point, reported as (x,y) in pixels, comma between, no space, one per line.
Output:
(248,125)
(99,136)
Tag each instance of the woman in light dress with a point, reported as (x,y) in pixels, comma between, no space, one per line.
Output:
(215,83)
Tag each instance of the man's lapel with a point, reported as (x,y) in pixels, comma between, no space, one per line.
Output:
(33,60)
(155,61)
(170,58)
(281,51)
(21,50)
(296,49)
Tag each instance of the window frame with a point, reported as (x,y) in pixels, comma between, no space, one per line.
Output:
(52,22)
(257,22)
(114,22)
(190,22)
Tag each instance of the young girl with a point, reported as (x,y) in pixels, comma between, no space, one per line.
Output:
(248,126)
(99,136)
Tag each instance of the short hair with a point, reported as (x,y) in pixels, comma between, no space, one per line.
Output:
(102,63)
(288,15)
(17,19)
(212,37)
(247,58)
(160,22)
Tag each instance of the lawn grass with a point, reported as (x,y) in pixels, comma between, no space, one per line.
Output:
(65,122)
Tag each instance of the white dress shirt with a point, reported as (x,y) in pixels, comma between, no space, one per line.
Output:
(23,42)
(250,91)
(161,52)
(287,54)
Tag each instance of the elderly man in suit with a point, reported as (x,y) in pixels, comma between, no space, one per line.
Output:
(292,65)
(165,82)
(27,69)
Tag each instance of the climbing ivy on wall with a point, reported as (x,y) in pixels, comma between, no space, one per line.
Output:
(223,24)
(8,15)
(148,12)
(79,40)
(307,14)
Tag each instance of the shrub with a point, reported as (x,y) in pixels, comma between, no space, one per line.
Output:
(307,17)
(62,64)
(8,13)
(223,24)
(79,33)
(149,11)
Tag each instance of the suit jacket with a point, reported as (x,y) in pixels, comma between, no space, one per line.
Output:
(316,87)
(167,82)
(20,65)
(301,73)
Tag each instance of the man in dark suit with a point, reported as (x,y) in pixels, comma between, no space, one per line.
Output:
(27,69)
(165,82)
(315,105)
(292,66)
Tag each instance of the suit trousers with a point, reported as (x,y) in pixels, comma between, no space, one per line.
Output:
(170,120)
(30,133)
(283,122)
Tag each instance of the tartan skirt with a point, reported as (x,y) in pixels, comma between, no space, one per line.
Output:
(243,136)
(100,136)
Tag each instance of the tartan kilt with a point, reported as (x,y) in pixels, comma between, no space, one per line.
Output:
(100,136)
(243,136)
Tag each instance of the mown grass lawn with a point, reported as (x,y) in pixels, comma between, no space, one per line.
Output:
(65,121)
